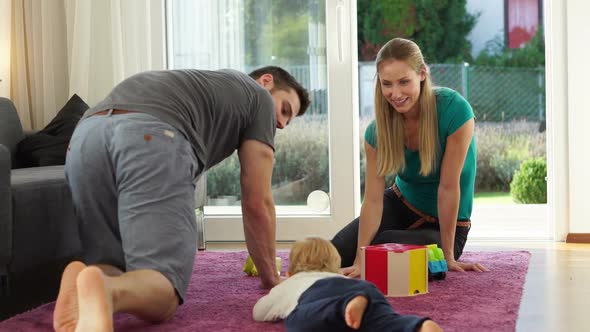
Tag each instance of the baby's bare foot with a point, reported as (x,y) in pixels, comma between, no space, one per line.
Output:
(94,301)
(65,314)
(430,326)
(353,314)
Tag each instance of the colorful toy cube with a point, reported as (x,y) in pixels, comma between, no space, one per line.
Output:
(396,269)
(437,265)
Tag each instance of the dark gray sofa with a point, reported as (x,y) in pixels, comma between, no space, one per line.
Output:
(38,229)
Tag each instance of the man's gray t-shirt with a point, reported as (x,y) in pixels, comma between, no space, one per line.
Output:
(215,110)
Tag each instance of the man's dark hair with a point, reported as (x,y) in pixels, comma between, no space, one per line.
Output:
(284,81)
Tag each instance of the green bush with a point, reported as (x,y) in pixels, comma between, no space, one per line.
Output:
(224,178)
(501,148)
(439,27)
(301,156)
(529,185)
(531,54)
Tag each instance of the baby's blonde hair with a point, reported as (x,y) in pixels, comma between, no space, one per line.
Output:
(313,254)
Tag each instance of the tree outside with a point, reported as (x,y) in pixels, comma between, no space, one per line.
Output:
(440,27)
(276,31)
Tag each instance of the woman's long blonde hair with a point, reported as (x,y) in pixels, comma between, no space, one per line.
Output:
(390,129)
(313,254)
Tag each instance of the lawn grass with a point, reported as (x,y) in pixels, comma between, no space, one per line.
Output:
(493,198)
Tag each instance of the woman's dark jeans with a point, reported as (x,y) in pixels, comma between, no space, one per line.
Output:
(397,217)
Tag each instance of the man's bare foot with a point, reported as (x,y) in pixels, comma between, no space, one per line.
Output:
(353,314)
(65,314)
(94,301)
(430,326)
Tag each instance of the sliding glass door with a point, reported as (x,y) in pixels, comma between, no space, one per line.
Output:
(316,165)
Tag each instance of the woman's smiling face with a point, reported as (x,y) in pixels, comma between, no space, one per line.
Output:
(400,85)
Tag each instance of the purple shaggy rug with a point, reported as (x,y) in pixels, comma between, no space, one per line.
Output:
(221,298)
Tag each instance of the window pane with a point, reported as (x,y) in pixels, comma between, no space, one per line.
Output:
(248,34)
(503,78)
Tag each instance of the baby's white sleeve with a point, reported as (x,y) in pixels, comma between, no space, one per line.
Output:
(277,304)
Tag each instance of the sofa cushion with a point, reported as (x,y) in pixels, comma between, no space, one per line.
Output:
(49,146)
(45,228)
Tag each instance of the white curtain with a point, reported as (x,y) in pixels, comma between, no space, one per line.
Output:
(62,47)
(39,75)
(5,40)
(111,40)
(206,34)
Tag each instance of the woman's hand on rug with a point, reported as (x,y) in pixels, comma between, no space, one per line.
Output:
(353,271)
(453,265)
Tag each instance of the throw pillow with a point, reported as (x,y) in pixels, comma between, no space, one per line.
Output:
(67,118)
(49,146)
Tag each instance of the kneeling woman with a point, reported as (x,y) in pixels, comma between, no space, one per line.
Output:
(425,136)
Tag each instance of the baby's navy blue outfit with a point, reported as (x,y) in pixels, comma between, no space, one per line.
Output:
(321,308)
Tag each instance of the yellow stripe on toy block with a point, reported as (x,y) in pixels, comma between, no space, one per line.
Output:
(418,270)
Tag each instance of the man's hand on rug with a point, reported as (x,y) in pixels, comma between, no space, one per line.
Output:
(268,283)
(453,265)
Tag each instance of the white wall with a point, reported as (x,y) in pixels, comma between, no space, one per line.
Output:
(578,108)
(489,24)
(5,23)
(557,119)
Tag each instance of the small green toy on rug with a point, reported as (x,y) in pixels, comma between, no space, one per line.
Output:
(250,268)
(437,265)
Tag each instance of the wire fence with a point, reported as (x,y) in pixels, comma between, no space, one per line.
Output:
(497,93)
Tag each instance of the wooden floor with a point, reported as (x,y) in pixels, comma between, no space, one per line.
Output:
(557,288)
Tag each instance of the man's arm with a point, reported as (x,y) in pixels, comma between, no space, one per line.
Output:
(258,210)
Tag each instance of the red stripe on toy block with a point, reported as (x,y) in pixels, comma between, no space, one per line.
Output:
(376,268)
(395,247)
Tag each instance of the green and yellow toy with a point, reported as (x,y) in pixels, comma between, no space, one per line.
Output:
(437,265)
(250,268)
